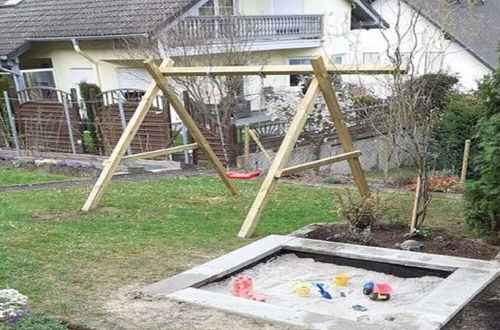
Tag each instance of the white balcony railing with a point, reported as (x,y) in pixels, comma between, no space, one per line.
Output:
(248,28)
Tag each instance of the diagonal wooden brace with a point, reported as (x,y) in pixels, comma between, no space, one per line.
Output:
(186,118)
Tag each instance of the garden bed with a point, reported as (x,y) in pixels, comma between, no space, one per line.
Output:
(438,240)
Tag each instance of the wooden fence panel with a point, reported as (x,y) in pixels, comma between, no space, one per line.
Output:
(154,133)
(42,122)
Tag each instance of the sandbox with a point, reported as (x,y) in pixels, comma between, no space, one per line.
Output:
(275,280)
(428,290)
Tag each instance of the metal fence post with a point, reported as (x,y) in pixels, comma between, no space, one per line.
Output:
(123,119)
(12,123)
(68,122)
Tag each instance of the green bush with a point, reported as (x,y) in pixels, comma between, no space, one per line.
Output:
(90,137)
(434,87)
(456,122)
(482,197)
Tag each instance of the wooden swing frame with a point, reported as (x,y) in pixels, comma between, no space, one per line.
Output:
(319,83)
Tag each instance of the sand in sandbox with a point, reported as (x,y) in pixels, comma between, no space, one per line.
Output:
(275,279)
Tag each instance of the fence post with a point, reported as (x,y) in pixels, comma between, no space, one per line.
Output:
(231,142)
(122,118)
(465,161)
(246,164)
(185,134)
(12,123)
(68,123)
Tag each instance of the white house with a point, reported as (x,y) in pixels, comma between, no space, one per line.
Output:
(80,41)
(459,37)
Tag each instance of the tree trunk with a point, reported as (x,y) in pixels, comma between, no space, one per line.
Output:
(422,199)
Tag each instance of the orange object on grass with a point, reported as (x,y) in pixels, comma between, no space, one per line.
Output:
(242,176)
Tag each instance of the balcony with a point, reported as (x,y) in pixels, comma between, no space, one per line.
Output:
(248,29)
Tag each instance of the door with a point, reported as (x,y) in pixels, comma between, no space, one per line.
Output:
(288,7)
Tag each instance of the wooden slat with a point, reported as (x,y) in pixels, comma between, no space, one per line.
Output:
(261,147)
(276,70)
(318,163)
(186,118)
(345,139)
(162,152)
(282,156)
(124,142)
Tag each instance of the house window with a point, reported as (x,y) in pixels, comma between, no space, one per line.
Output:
(226,7)
(371,58)
(338,58)
(39,78)
(217,8)
(434,61)
(295,79)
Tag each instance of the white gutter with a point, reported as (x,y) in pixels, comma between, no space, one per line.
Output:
(76,47)
(7,70)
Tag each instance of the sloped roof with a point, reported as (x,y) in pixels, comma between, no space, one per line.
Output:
(60,19)
(38,20)
(475,26)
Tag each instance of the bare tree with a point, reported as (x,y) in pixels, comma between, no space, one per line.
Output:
(415,48)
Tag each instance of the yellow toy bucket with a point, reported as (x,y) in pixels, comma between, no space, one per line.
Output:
(302,289)
(341,280)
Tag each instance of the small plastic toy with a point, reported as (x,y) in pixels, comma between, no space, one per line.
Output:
(302,289)
(377,291)
(381,291)
(243,287)
(368,288)
(325,294)
(359,308)
(341,280)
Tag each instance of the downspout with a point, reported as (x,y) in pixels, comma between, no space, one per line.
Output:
(76,47)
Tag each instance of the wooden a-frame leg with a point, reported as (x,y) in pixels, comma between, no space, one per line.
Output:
(183,114)
(343,134)
(121,147)
(280,161)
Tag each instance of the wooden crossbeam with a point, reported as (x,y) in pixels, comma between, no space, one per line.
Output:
(186,118)
(276,70)
(317,163)
(161,152)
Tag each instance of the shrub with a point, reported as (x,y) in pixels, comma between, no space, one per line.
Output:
(89,139)
(34,322)
(482,197)
(360,213)
(435,87)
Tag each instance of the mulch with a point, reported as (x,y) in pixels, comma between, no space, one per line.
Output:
(483,312)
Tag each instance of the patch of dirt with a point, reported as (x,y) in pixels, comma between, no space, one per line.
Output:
(439,241)
(482,313)
(55,217)
(127,310)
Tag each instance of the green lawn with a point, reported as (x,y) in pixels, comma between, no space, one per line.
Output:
(10,177)
(67,262)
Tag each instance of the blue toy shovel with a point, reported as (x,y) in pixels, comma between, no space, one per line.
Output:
(325,294)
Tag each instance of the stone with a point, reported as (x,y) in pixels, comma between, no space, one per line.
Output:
(411,245)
